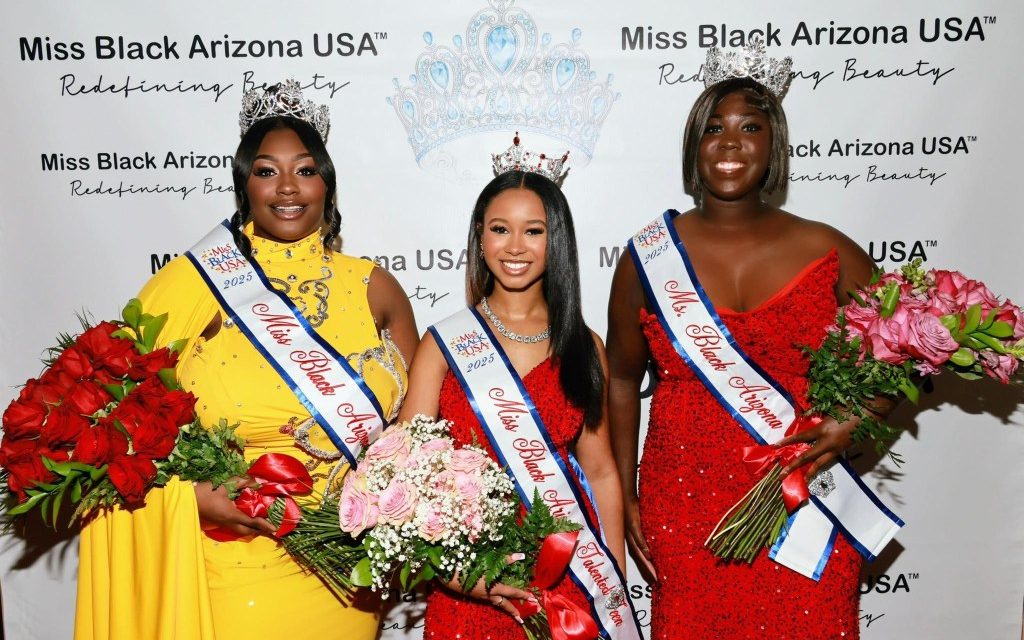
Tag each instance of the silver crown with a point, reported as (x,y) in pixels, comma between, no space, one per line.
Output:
(503,74)
(752,62)
(283,99)
(516,158)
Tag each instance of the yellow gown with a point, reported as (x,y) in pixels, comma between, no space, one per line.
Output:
(150,573)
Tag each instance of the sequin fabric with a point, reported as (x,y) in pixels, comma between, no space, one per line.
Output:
(691,473)
(453,616)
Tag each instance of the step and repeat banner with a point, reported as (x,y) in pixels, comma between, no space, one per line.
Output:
(120,125)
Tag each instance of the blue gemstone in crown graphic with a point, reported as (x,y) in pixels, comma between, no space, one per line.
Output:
(503,75)
(225,258)
(470,344)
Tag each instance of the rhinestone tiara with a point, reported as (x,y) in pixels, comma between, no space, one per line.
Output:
(503,73)
(283,99)
(516,158)
(752,62)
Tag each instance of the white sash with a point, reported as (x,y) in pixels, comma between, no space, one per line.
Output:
(523,445)
(757,402)
(321,378)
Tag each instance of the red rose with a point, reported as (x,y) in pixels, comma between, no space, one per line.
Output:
(130,475)
(100,444)
(156,440)
(24,464)
(87,398)
(148,365)
(176,406)
(24,418)
(63,426)
(40,391)
(52,386)
(106,352)
(74,362)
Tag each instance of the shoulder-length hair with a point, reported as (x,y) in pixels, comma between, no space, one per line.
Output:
(572,345)
(757,96)
(241,169)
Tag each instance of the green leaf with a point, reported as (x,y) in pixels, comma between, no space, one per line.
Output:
(76,490)
(963,357)
(151,326)
(132,313)
(972,318)
(403,575)
(951,322)
(1000,329)
(968,375)
(989,341)
(177,346)
(361,576)
(26,506)
(168,377)
(116,390)
(123,333)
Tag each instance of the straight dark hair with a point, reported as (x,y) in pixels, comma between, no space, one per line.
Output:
(245,156)
(757,96)
(572,345)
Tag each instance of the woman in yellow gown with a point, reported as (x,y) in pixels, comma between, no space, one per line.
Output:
(151,573)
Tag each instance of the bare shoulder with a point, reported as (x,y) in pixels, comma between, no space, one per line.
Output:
(855,265)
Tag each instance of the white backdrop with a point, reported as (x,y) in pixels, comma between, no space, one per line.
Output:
(905,125)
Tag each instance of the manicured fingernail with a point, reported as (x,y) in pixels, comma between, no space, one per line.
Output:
(516,557)
(518,619)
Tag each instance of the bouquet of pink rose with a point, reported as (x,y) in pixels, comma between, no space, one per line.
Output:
(418,507)
(903,325)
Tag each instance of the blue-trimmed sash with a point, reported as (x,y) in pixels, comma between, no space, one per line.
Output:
(523,445)
(757,402)
(321,378)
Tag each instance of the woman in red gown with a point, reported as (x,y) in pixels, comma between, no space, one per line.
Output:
(524,279)
(775,280)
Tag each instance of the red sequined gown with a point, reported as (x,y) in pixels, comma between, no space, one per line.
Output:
(450,615)
(691,473)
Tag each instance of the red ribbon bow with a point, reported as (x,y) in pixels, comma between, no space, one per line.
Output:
(568,621)
(280,476)
(761,458)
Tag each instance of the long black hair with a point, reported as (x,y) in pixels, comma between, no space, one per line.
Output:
(245,156)
(757,96)
(572,345)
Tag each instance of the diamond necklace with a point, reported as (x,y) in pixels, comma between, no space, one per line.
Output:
(512,335)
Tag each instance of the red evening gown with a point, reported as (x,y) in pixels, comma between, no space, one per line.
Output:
(450,615)
(691,473)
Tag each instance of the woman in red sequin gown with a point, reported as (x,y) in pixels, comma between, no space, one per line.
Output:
(521,225)
(775,280)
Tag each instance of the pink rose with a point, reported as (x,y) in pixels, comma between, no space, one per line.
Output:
(397,503)
(443,482)
(1013,316)
(470,489)
(943,304)
(964,290)
(859,318)
(432,527)
(998,366)
(357,509)
(435,445)
(468,461)
(392,446)
(924,338)
(882,339)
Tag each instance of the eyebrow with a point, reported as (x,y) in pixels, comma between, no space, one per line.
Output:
(264,156)
(745,114)
(534,221)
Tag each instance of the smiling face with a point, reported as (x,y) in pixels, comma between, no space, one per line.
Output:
(514,238)
(734,149)
(285,191)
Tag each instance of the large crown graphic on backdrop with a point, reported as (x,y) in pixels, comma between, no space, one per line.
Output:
(751,61)
(503,75)
(283,99)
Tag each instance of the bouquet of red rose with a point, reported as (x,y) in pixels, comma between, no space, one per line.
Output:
(903,325)
(105,422)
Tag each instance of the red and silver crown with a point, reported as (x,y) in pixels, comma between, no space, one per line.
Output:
(752,62)
(516,158)
(283,99)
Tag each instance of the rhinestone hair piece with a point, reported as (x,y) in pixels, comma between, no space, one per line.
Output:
(752,62)
(283,99)
(516,158)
